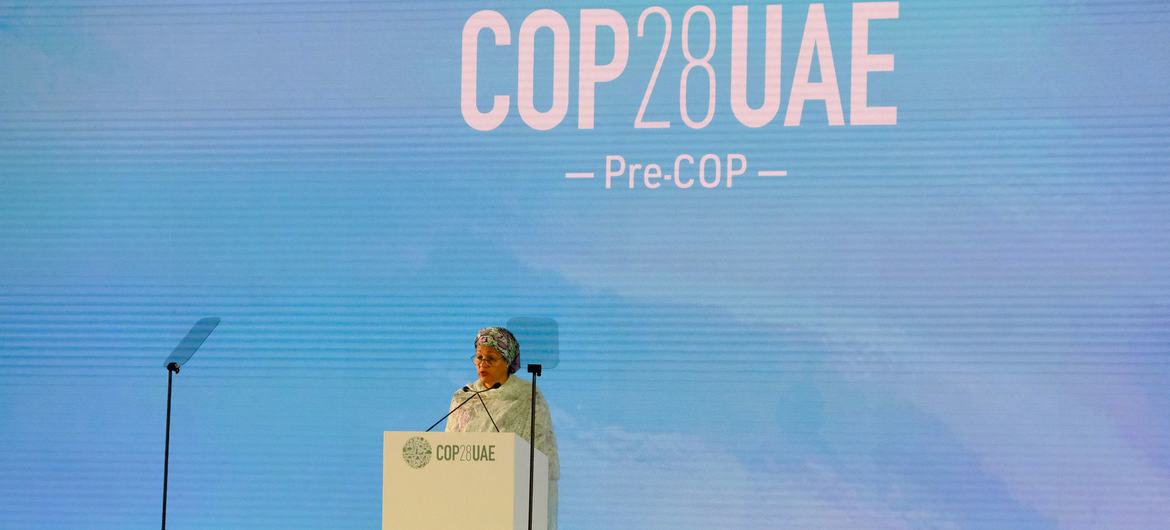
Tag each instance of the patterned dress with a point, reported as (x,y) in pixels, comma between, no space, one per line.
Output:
(510,406)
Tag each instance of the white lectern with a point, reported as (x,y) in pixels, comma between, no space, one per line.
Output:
(451,480)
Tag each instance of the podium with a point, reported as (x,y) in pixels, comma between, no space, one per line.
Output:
(449,480)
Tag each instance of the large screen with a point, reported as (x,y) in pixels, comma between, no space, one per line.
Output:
(839,265)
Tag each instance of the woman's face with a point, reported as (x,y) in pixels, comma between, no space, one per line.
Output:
(493,368)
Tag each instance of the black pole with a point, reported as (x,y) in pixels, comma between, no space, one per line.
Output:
(181,354)
(533,369)
(172,369)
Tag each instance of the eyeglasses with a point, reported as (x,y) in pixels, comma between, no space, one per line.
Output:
(486,361)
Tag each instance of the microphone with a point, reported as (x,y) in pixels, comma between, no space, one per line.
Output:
(469,398)
(485,407)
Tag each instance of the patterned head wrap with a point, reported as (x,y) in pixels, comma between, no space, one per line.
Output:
(504,342)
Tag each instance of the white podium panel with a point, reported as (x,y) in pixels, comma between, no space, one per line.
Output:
(445,481)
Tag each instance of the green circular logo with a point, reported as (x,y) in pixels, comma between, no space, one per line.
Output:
(416,452)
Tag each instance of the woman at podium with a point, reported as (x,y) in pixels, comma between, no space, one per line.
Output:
(496,358)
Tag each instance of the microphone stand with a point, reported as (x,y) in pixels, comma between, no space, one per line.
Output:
(533,369)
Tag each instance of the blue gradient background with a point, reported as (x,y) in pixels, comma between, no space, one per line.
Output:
(957,322)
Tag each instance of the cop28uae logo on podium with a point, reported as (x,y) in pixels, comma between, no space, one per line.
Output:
(416,452)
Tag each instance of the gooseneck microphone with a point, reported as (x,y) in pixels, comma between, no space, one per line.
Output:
(485,408)
(469,398)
